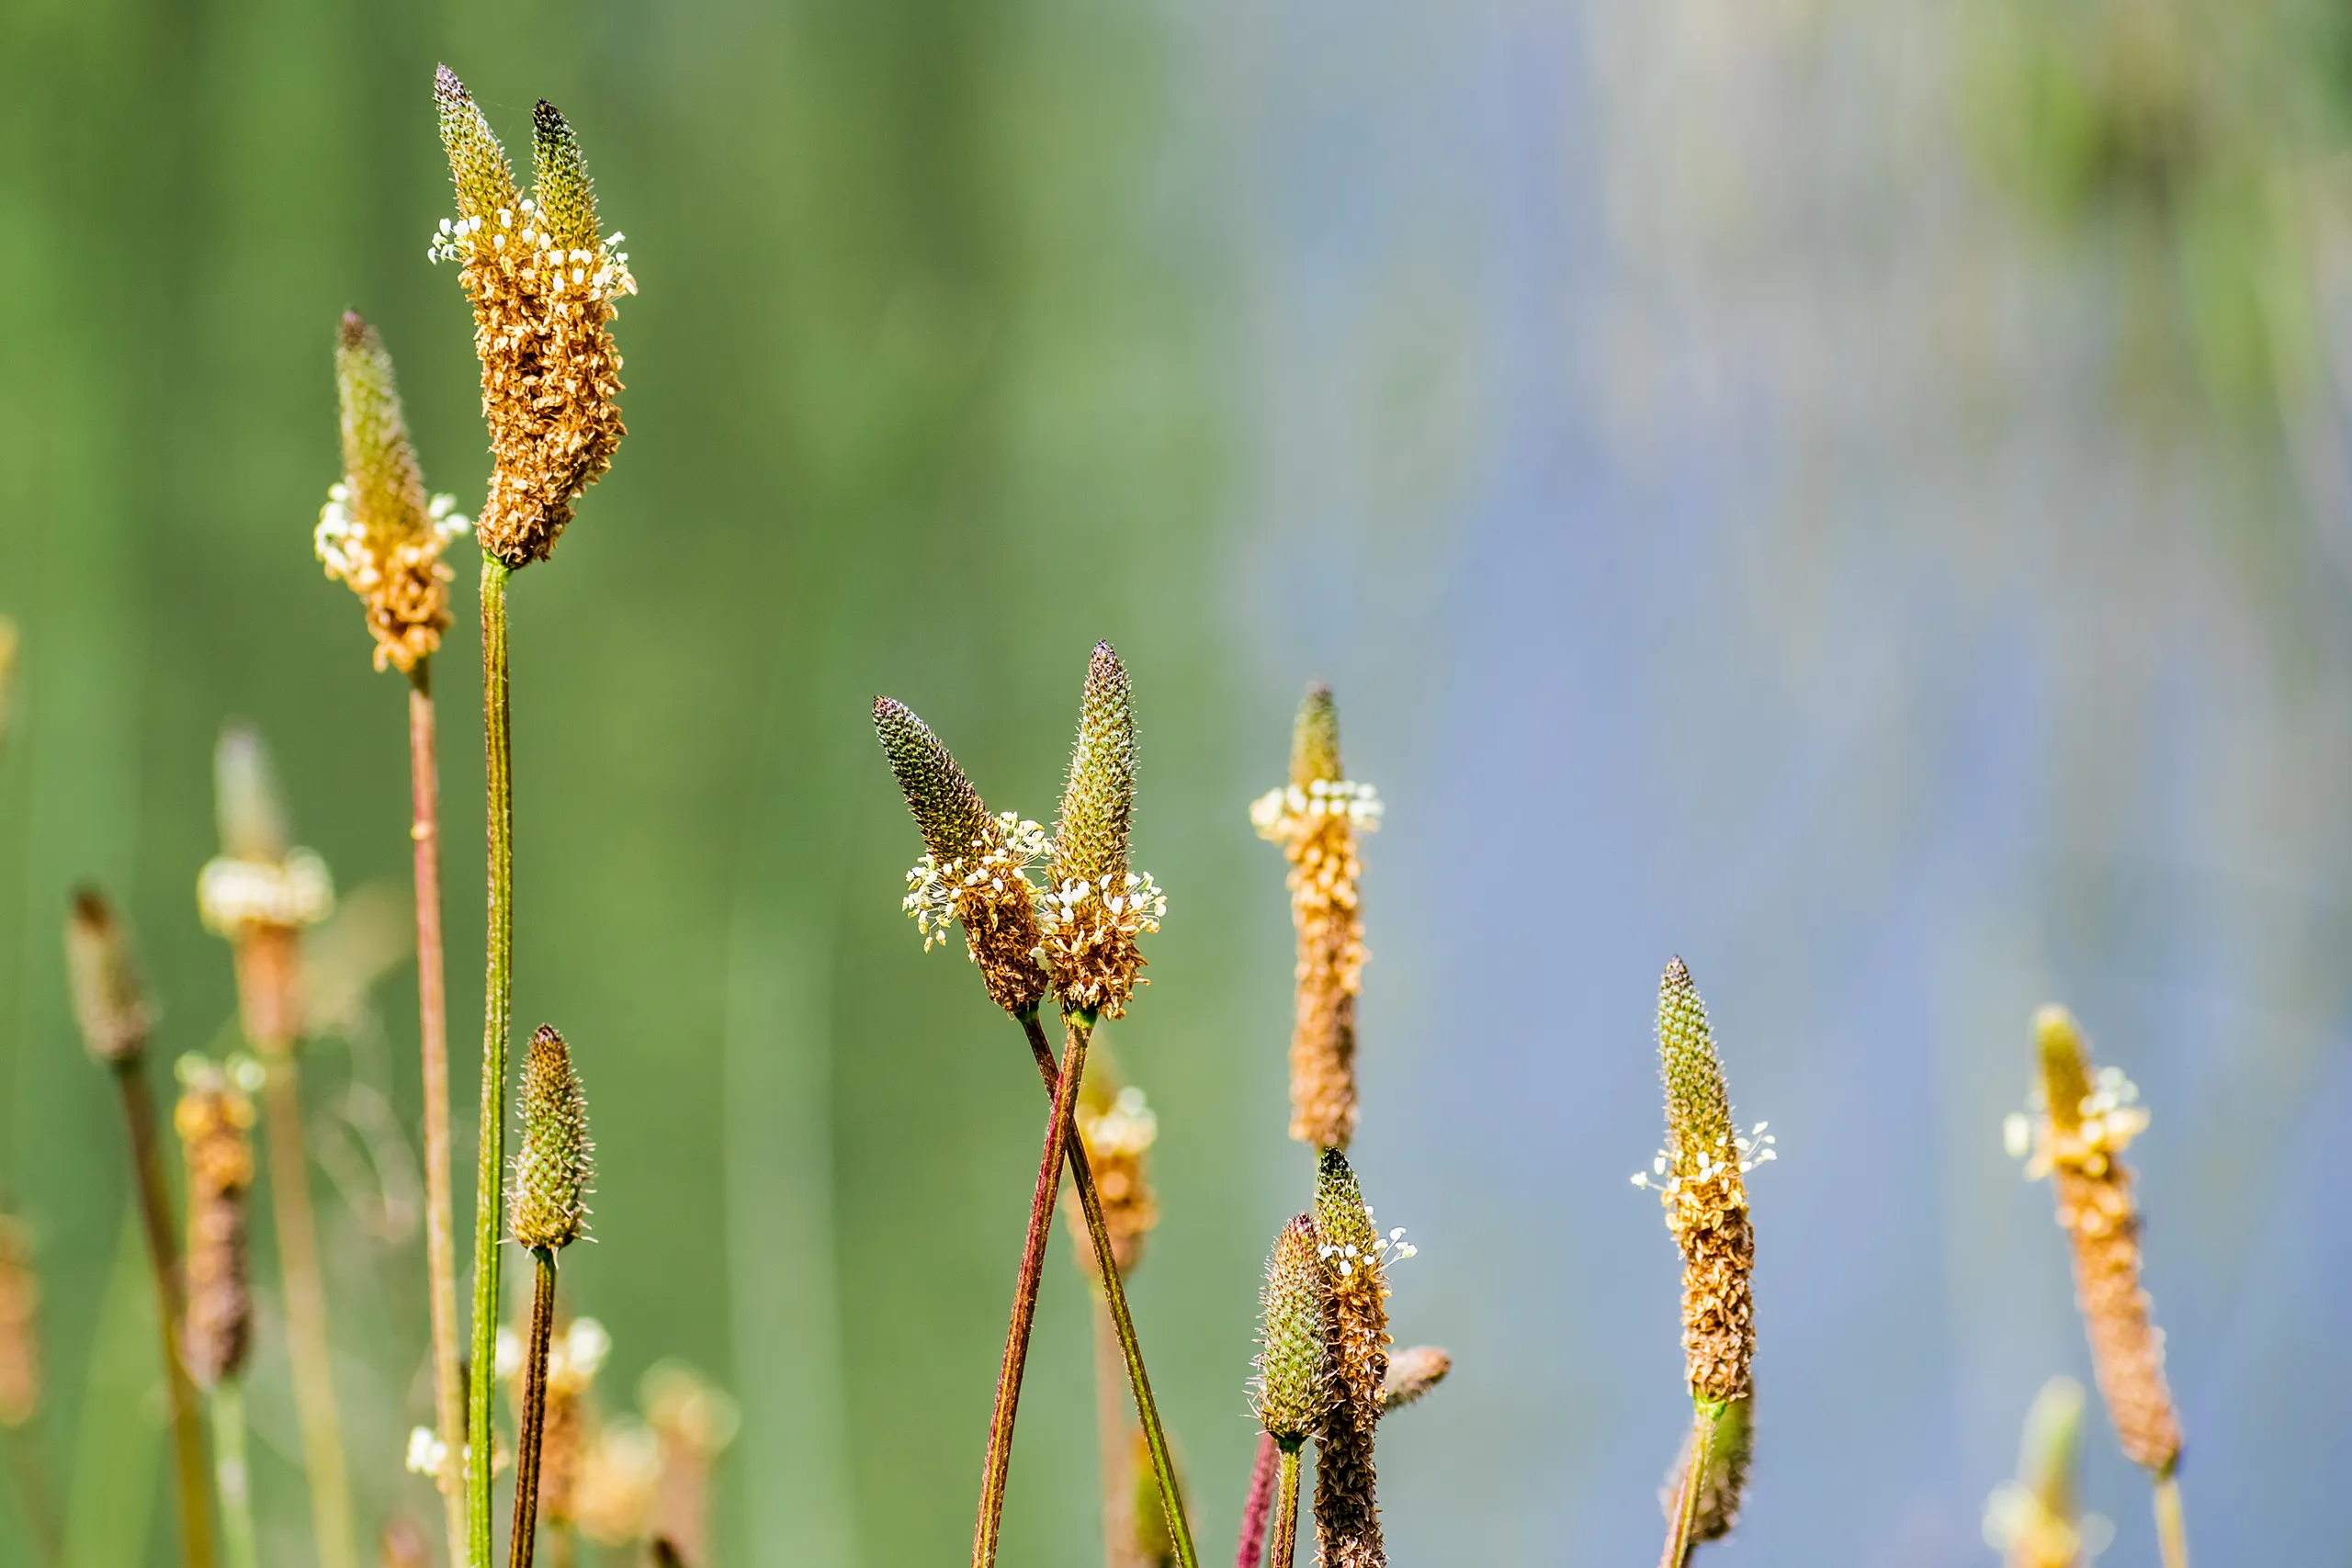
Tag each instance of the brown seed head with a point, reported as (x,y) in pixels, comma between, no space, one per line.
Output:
(1347,1509)
(1096,906)
(554,1166)
(2089,1117)
(1316,819)
(19,1325)
(1412,1373)
(109,1002)
(1705,1195)
(1723,1484)
(1295,1384)
(976,867)
(214,1120)
(377,532)
(543,285)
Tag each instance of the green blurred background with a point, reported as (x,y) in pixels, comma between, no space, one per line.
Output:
(1853,492)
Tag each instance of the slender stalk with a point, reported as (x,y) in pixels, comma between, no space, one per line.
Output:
(2172,1533)
(1115,1297)
(229,1468)
(306,1307)
(1286,1511)
(1060,1131)
(498,987)
(162,1252)
(1686,1496)
(37,1494)
(432,1033)
(534,1412)
(1111,1440)
(1258,1506)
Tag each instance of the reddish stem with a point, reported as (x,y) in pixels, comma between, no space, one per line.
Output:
(1259,1505)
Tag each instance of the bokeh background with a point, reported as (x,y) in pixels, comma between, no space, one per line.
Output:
(1854,495)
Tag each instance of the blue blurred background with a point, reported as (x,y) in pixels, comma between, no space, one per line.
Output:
(1852,494)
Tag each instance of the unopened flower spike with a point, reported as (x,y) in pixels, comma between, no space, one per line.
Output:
(261,890)
(215,1119)
(1354,1254)
(1096,907)
(379,533)
(2087,1117)
(1316,818)
(1702,1184)
(2036,1521)
(544,285)
(108,1002)
(555,1164)
(976,867)
(1411,1374)
(1294,1383)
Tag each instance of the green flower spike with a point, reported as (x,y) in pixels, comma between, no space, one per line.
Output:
(553,1168)
(1294,1388)
(1096,906)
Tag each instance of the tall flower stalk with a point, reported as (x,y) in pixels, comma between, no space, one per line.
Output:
(214,1120)
(260,893)
(382,535)
(112,1010)
(552,1172)
(543,283)
(2087,1117)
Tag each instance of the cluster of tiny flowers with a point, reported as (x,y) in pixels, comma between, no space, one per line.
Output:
(1747,1152)
(2112,1116)
(342,543)
(1137,909)
(461,240)
(426,1451)
(2017,1522)
(1286,812)
(1346,1258)
(1125,1131)
(936,894)
(232,894)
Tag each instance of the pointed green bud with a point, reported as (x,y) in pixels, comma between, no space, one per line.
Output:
(947,809)
(1294,1369)
(2050,1458)
(1697,1104)
(1342,1222)
(2065,1066)
(385,490)
(1099,802)
(246,800)
(109,1002)
(565,195)
(478,166)
(1315,739)
(553,1168)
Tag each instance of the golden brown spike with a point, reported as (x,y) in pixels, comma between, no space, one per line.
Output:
(1706,1197)
(1317,820)
(214,1120)
(1347,1508)
(109,1003)
(2090,1117)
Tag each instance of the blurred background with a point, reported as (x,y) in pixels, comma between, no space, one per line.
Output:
(1853,494)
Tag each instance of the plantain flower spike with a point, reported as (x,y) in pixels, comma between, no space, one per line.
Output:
(378,533)
(974,868)
(555,1164)
(1701,1177)
(1411,1374)
(1096,907)
(2087,1118)
(260,891)
(1355,1257)
(1723,1484)
(544,286)
(1294,1383)
(109,1004)
(20,1379)
(214,1120)
(1316,818)
(1116,1124)
(2036,1521)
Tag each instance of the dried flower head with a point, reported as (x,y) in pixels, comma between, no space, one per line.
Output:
(1701,1177)
(1412,1373)
(544,286)
(20,1383)
(1096,906)
(2036,1520)
(1316,818)
(1118,1126)
(574,1357)
(2087,1118)
(620,1474)
(377,532)
(556,1162)
(1355,1257)
(1723,1483)
(260,891)
(109,1002)
(215,1119)
(975,868)
(696,1422)
(1294,1383)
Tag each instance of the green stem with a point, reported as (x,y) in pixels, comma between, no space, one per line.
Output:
(2172,1533)
(534,1412)
(433,1039)
(498,987)
(1059,1132)
(1286,1508)
(229,1468)
(1115,1297)
(163,1254)
(1686,1497)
